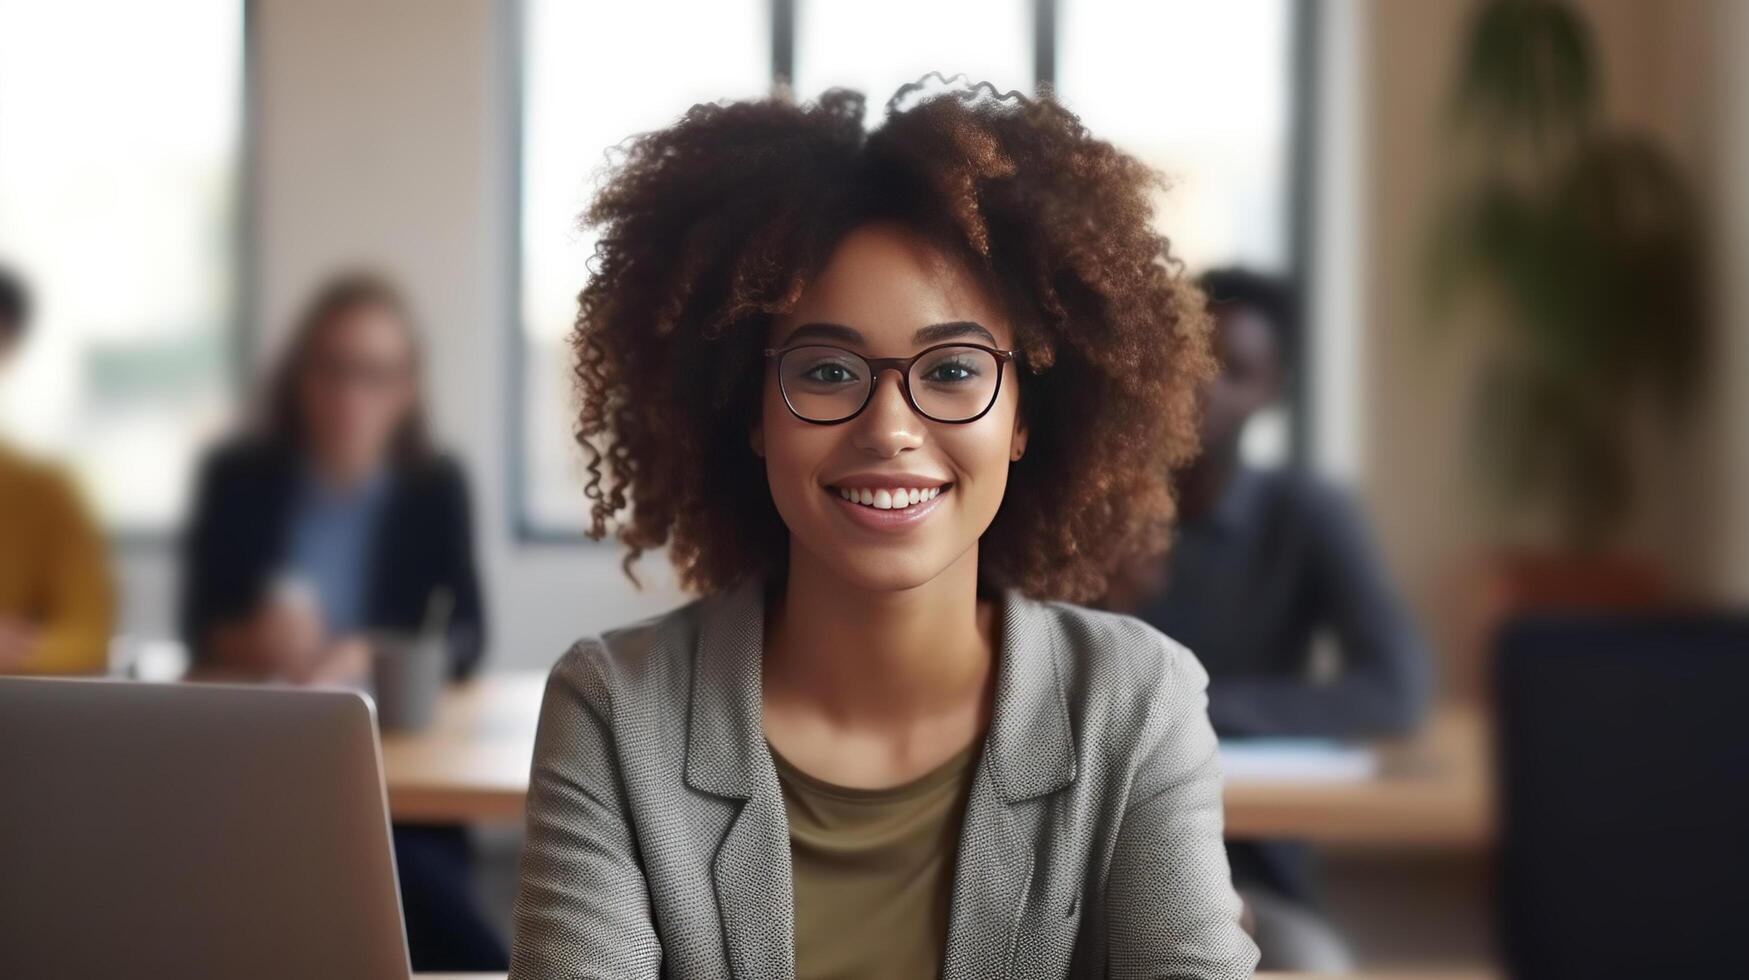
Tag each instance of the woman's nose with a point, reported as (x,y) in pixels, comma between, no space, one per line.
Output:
(888,426)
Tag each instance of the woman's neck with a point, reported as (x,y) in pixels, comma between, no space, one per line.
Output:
(873,657)
(341,472)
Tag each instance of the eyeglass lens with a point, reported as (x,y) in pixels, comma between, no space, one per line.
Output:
(949,384)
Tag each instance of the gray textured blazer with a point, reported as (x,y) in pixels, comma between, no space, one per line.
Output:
(658,844)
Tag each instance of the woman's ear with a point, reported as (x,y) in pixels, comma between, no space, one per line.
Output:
(756,439)
(1018,443)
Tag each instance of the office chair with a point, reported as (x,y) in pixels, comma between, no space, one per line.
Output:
(1623,756)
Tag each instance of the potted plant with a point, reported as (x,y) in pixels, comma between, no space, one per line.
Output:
(1574,247)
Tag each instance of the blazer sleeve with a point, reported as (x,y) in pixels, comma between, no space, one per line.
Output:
(1172,911)
(467,627)
(582,906)
(217,574)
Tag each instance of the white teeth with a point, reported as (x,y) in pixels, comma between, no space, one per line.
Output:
(887,498)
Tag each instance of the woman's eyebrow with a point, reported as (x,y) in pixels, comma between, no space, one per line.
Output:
(823,331)
(954,328)
(933,333)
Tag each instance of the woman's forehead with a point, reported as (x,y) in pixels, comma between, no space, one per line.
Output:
(887,282)
(372,324)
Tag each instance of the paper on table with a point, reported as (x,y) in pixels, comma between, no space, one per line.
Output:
(1317,760)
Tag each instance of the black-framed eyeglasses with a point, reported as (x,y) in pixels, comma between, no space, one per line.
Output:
(826,385)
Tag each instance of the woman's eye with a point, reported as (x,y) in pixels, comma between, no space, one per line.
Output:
(829,373)
(950,371)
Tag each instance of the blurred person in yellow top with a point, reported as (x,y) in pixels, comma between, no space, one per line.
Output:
(56,600)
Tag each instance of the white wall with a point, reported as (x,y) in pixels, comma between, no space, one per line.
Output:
(384,136)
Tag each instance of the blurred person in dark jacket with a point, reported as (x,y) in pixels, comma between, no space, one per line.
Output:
(57,601)
(337,519)
(1270,571)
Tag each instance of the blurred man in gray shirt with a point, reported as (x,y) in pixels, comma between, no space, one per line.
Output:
(1273,583)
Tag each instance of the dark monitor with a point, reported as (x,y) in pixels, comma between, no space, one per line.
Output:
(1624,764)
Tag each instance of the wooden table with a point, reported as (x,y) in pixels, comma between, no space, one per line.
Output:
(1432,790)
(472,766)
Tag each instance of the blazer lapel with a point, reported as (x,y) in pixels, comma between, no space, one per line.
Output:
(1029,752)
(991,876)
(726,756)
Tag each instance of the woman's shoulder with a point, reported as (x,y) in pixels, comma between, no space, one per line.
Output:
(244,456)
(640,661)
(1115,660)
(1134,695)
(40,486)
(1120,642)
(437,475)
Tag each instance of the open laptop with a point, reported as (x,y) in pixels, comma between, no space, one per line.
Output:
(193,831)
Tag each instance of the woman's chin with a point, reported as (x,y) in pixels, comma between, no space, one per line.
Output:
(883,569)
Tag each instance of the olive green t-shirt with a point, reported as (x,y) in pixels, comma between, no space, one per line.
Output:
(874,871)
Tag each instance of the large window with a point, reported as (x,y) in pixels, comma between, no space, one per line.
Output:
(1200,90)
(120,142)
(595,73)
(876,47)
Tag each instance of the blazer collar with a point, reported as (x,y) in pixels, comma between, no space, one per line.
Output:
(1030,745)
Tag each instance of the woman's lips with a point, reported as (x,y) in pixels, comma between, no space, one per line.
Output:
(894,519)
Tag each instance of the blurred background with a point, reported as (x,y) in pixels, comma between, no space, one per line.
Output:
(1506,233)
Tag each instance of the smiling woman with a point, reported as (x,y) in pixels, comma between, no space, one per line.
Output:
(710,230)
(893,401)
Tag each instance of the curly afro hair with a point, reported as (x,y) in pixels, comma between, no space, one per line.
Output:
(713,225)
